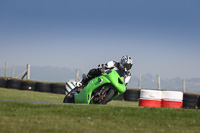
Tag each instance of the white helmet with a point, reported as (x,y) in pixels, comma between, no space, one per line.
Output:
(126,63)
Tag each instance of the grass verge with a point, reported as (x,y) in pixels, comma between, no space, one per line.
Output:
(13,94)
(26,117)
(122,117)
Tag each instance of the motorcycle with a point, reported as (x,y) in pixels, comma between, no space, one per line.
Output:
(99,90)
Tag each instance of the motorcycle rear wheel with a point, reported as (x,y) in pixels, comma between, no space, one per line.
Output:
(69,98)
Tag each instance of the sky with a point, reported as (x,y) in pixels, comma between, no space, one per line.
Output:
(162,37)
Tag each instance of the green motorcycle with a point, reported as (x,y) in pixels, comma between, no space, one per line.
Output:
(99,90)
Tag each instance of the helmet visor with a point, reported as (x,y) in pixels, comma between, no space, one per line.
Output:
(127,66)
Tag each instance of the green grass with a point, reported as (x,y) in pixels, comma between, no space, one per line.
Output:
(13,94)
(117,116)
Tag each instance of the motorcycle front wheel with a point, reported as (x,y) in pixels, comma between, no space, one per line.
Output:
(108,97)
(102,98)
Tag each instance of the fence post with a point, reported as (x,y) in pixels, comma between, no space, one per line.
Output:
(28,72)
(6,64)
(184,85)
(77,76)
(139,84)
(159,82)
(13,71)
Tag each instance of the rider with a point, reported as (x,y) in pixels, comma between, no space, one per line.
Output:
(124,64)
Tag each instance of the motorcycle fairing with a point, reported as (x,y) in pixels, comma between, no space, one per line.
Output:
(112,78)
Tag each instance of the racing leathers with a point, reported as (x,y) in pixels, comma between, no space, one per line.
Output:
(102,68)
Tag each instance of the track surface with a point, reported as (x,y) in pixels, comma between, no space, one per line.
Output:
(36,102)
(55,103)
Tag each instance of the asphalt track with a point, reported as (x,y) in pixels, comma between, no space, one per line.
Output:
(54,103)
(37,102)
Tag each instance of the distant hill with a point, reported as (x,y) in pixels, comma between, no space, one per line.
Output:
(148,81)
(50,74)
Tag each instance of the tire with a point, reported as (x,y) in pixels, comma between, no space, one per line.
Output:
(198,102)
(120,97)
(2,82)
(13,84)
(189,105)
(69,98)
(190,97)
(132,95)
(190,101)
(27,85)
(65,99)
(109,96)
(57,88)
(43,87)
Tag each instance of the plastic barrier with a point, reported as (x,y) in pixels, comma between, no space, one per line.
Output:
(172,99)
(171,104)
(172,95)
(150,103)
(151,94)
(150,98)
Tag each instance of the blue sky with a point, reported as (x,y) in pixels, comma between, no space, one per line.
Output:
(163,37)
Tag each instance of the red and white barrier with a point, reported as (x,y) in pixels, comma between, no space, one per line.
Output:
(150,98)
(151,94)
(172,99)
(164,99)
(149,103)
(171,104)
